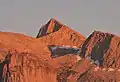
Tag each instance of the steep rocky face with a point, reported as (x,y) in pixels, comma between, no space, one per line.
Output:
(63,36)
(58,34)
(100,61)
(29,57)
(25,67)
(24,59)
(52,26)
(103,49)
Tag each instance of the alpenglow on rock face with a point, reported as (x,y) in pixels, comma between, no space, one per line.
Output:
(64,36)
(52,26)
(104,51)
(27,59)
(51,56)
(103,47)
(21,59)
(101,59)
(56,33)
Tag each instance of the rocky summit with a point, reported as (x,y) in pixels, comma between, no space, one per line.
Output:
(56,33)
(59,54)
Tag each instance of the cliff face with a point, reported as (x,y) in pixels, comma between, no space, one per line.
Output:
(100,61)
(27,59)
(100,53)
(102,48)
(58,34)
(52,26)
(25,67)
(24,59)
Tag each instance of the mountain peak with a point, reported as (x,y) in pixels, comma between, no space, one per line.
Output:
(54,32)
(55,20)
(99,46)
(51,26)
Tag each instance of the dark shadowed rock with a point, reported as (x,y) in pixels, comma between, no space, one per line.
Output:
(58,51)
(102,47)
(100,63)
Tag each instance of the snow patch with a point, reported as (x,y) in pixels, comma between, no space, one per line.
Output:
(74,46)
(78,52)
(53,48)
(103,69)
(96,68)
(78,58)
(118,70)
(93,61)
(110,69)
(97,62)
(57,51)
(67,46)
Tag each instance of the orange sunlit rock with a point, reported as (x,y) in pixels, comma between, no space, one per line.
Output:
(27,59)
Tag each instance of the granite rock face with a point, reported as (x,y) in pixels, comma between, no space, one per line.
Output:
(58,34)
(52,26)
(25,67)
(28,59)
(102,47)
(23,59)
(100,59)
(63,36)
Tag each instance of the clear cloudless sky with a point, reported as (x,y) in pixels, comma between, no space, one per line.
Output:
(84,16)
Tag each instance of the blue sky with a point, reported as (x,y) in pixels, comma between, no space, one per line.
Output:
(84,16)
